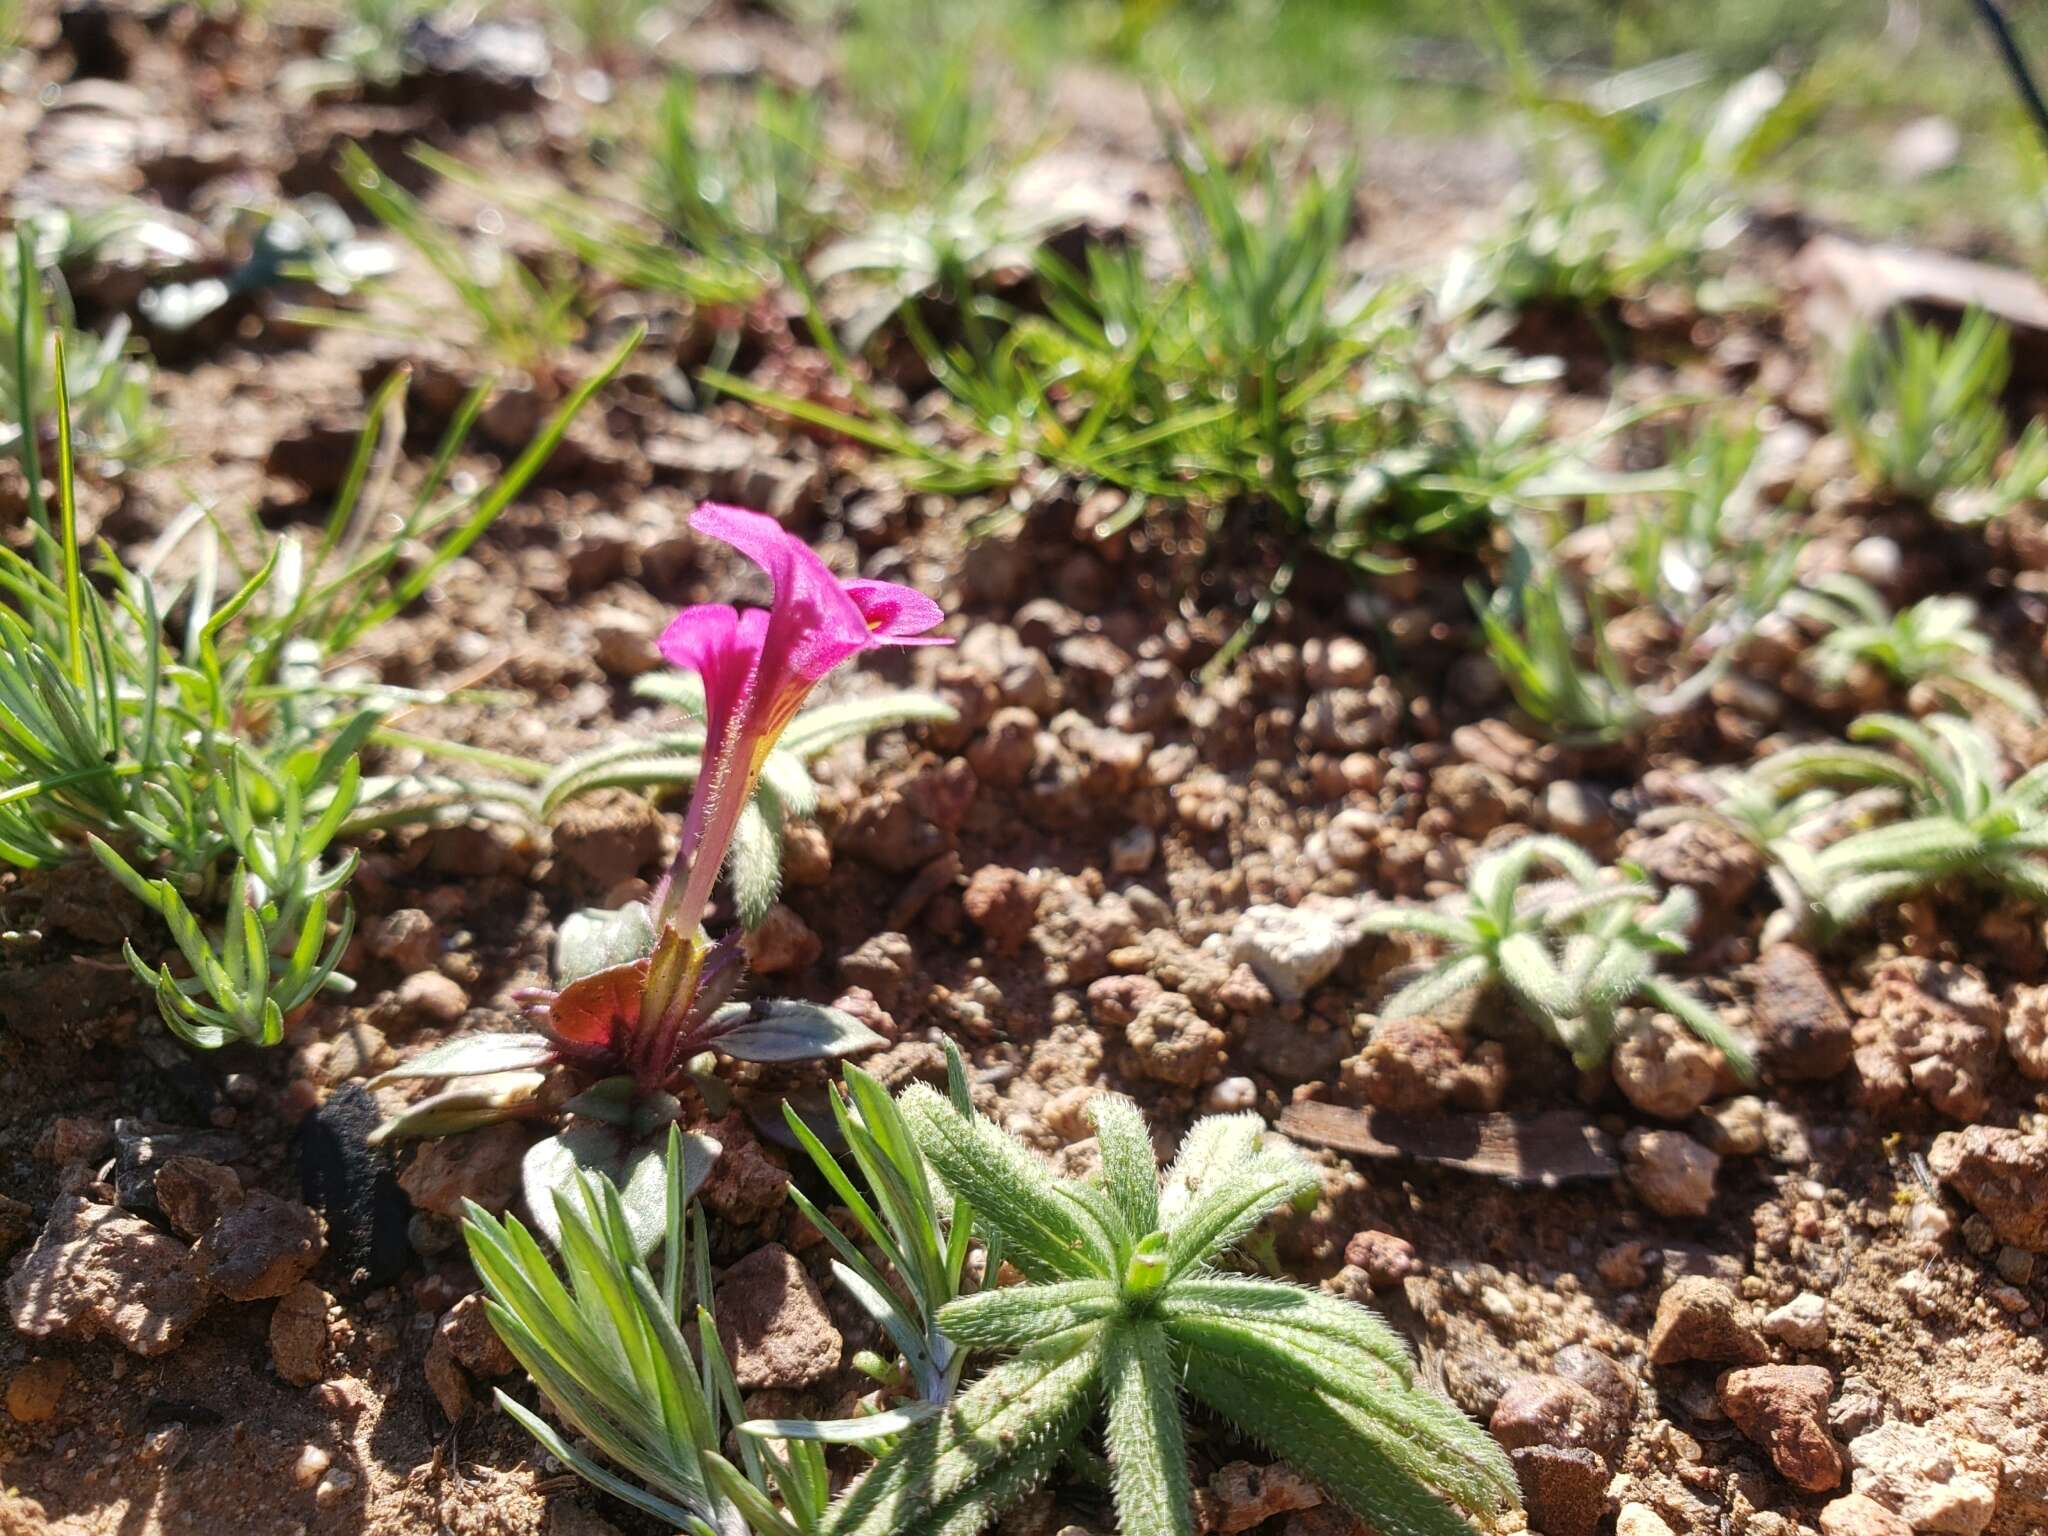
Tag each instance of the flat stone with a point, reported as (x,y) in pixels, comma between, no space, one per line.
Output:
(1855,1515)
(1849,285)
(773,1322)
(1932,1483)
(447,1380)
(1248,1495)
(97,1270)
(141,1148)
(1640,1520)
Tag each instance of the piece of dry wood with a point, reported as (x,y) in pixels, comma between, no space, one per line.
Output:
(1559,1146)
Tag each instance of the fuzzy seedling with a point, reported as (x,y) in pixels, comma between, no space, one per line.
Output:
(1935,644)
(1570,956)
(1963,819)
(1123,1310)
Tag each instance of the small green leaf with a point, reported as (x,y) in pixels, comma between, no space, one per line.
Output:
(504,1096)
(594,940)
(473,1056)
(786,1029)
(863,1430)
(636,1167)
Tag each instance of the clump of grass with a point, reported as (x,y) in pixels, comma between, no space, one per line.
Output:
(1708,551)
(922,1236)
(1551,650)
(106,379)
(1922,411)
(369,47)
(612,1351)
(749,192)
(211,772)
(512,316)
(1632,192)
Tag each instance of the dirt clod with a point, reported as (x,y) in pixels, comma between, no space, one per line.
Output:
(481,1165)
(1247,1495)
(608,837)
(97,1270)
(1927,1028)
(299,1342)
(1783,1408)
(1565,1489)
(1673,1173)
(1386,1259)
(194,1193)
(1702,1319)
(1803,1030)
(260,1248)
(773,1322)
(2004,1174)
(35,1393)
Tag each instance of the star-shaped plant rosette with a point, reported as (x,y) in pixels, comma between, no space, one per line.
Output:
(642,993)
(1124,1310)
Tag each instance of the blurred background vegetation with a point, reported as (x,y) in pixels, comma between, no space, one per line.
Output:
(1889,80)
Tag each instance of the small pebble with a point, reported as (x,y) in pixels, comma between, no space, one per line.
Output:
(1229,1095)
(312,1463)
(1801,1323)
(333,1487)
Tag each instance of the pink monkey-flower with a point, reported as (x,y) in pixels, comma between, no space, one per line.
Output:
(758,667)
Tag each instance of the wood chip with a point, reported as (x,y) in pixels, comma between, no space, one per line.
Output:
(1556,1147)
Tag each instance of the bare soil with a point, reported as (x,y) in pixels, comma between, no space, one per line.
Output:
(1052,864)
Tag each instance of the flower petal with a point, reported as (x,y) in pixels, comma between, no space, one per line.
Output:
(814,625)
(896,615)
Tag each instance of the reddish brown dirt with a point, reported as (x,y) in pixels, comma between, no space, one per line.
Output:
(1236,785)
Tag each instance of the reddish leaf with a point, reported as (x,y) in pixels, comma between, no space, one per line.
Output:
(597,1012)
